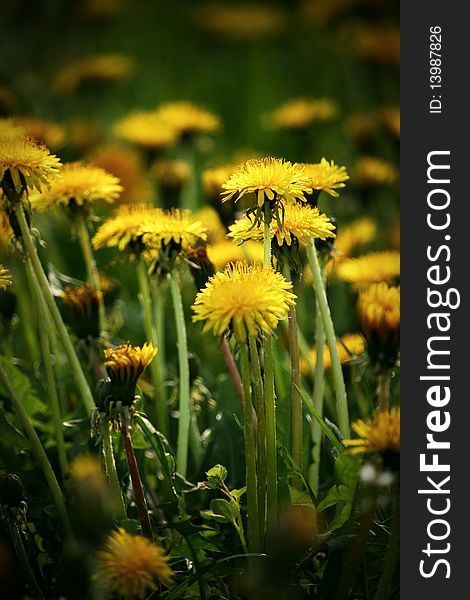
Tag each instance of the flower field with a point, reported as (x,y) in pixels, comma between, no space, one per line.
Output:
(199,300)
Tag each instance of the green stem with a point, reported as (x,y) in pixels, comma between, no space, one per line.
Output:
(51,387)
(24,310)
(24,561)
(250,455)
(261,437)
(391,554)
(318,394)
(267,235)
(140,500)
(92,273)
(340,388)
(110,465)
(383,391)
(39,451)
(184,381)
(43,284)
(151,333)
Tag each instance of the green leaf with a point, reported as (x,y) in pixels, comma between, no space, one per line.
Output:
(219,506)
(23,387)
(218,472)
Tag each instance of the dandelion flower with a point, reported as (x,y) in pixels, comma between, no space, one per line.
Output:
(379,434)
(350,345)
(225,252)
(28,164)
(131,566)
(102,68)
(83,304)
(209,217)
(302,112)
(378,308)
(124,230)
(241,21)
(79,186)
(371,170)
(326,176)
(213,179)
(301,223)
(270,179)
(179,227)
(370,268)
(379,44)
(186,118)
(354,235)
(248,300)
(147,130)
(5,278)
(46,132)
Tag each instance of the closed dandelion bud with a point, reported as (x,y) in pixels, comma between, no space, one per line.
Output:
(5,279)
(378,310)
(82,310)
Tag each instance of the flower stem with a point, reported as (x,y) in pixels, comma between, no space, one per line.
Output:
(391,553)
(340,388)
(92,273)
(43,285)
(23,560)
(250,455)
(232,367)
(111,473)
(383,390)
(152,335)
(140,500)
(318,394)
(39,451)
(51,387)
(261,437)
(184,381)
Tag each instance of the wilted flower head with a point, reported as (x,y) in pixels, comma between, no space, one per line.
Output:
(326,176)
(371,170)
(147,130)
(301,223)
(248,300)
(186,118)
(5,278)
(370,268)
(379,434)
(131,566)
(25,165)
(302,112)
(79,187)
(269,179)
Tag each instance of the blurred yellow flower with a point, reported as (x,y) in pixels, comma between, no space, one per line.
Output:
(172,174)
(350,345)
(213,179)
(378,43)
(248,300)
(5,278)
(84,299)
(301,223)
(79,186)
(86,468)
(371,170)
(146,129)
(209,217)
(378,309)
(45,132)
(29,164)
(186,118)
(370,268)
(225,252)
(270,179)
(326,176)
(131,566)
(390,117)
(381,433)
(353,236)
(302,112)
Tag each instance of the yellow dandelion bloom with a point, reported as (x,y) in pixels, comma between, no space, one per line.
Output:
(301,223)
(213,179)
(378,309)
(225,252)
(130,566)
(127,166)
(370,268)
(86,467)
(175,226)
(209,217)
(124,230)
(354,235)
(28,164)
(268,178)
(147,130)
(378,43)
(126,363)
(350,345)
(302,112)
(326,176)
(248,300)
(10,128)
(390,117)
(102,68)
(186,118)
(46,132)
(379,434)
(5,278)
(371,170)
(172,174)
(79,185)
(241,21)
